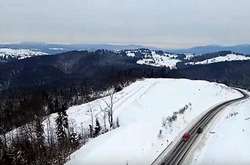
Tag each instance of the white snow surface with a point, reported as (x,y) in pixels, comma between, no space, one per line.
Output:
(19,53)
(130,54)
(229,57)
(56,48)
(227,142)
(189,56)
(157,60)
(141,108)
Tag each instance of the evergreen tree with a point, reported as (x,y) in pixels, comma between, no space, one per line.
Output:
(74,140)
(39,147)
(60,131)
(97,128)
(1,149)
(90,130)
(39,131)
(65,121)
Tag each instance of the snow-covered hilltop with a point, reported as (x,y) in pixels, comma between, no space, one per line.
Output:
(154,58)
(152,113)
(166,60)
(228,57)
(18,54)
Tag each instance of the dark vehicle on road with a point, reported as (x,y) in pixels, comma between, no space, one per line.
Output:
(186,136)
(199,130)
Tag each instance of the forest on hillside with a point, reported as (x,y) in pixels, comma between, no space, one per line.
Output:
(34,88)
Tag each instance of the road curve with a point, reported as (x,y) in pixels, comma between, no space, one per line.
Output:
(178,153)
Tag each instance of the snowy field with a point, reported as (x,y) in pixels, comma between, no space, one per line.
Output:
(229,57)
(143,109)
(157,60)
(19,53)
(228,140)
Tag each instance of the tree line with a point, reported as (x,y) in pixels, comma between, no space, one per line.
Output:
(44,141)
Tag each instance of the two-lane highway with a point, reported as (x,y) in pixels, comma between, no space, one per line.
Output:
(180,150)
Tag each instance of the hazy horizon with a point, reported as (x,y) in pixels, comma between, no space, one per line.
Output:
(120,44)
(157,23)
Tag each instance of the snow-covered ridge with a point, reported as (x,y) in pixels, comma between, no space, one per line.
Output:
(8,53)
(142,109)
(229,57)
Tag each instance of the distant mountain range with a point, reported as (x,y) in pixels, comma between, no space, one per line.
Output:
(165,57)
(142,56)
(59,48)
(243,49)
(11,52)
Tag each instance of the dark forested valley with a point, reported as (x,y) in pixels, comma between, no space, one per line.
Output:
(234,73)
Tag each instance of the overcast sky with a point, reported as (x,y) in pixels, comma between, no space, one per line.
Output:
(162,23)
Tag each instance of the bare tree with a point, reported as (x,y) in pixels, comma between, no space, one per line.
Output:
(92,119)
(110,104)
(82,129)
(104,117)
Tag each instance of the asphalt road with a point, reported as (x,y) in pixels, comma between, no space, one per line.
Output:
(178,153)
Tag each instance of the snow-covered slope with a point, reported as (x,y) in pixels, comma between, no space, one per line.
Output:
(229,57)
(227,141)
(154,58)
(166,60)
(144,110)
(7,53)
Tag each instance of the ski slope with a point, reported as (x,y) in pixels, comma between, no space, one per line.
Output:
(142,109)
(227,141)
